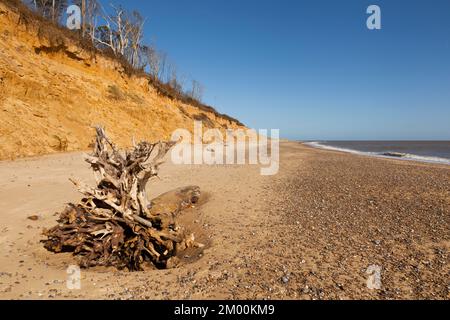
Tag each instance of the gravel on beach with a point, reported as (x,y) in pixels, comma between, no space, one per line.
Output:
(330,225)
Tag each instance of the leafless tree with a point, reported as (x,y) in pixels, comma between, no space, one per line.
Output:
(136,25)
(50,9)
(150,58)
(107,34)
(162,65)
(154,62)
(197,90)
(122,32)
(90,11)
(173,80)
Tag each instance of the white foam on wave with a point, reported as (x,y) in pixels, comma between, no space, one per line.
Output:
(401,156)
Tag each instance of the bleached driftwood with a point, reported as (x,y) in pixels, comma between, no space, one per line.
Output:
(115,224)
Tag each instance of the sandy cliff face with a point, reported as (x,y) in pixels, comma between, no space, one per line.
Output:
(51,94)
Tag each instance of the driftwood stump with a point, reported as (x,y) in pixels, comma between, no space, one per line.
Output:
(115,224)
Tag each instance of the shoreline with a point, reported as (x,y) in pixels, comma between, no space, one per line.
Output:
(383,155)
(310,232)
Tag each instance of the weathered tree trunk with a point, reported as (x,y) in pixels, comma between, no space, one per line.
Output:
(115,224)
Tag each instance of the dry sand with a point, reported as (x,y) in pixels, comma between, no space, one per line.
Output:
(309,232)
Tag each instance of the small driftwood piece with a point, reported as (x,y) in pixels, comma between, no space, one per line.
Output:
(115,224)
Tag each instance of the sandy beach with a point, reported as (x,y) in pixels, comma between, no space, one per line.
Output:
(310,232)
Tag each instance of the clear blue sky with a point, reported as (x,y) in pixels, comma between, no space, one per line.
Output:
(312,68)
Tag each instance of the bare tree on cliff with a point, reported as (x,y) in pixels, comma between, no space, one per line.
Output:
(136,24)
(150,58)
(162,66)
(112,34)
(172,78)
(196,91)
(154,61)
(90,11)
(50,9)
(122,32)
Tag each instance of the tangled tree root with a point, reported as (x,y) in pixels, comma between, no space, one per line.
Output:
(115,224)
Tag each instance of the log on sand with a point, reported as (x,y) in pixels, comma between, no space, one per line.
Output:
(115,224)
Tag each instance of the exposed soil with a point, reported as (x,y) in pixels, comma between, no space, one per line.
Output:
(52,96)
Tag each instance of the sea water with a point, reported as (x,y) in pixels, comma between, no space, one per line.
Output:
(424,151)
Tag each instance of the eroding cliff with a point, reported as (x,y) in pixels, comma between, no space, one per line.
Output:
(52,92)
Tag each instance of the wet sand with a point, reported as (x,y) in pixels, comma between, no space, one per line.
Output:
(310,232)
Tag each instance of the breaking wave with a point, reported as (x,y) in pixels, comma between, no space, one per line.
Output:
(386,154)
